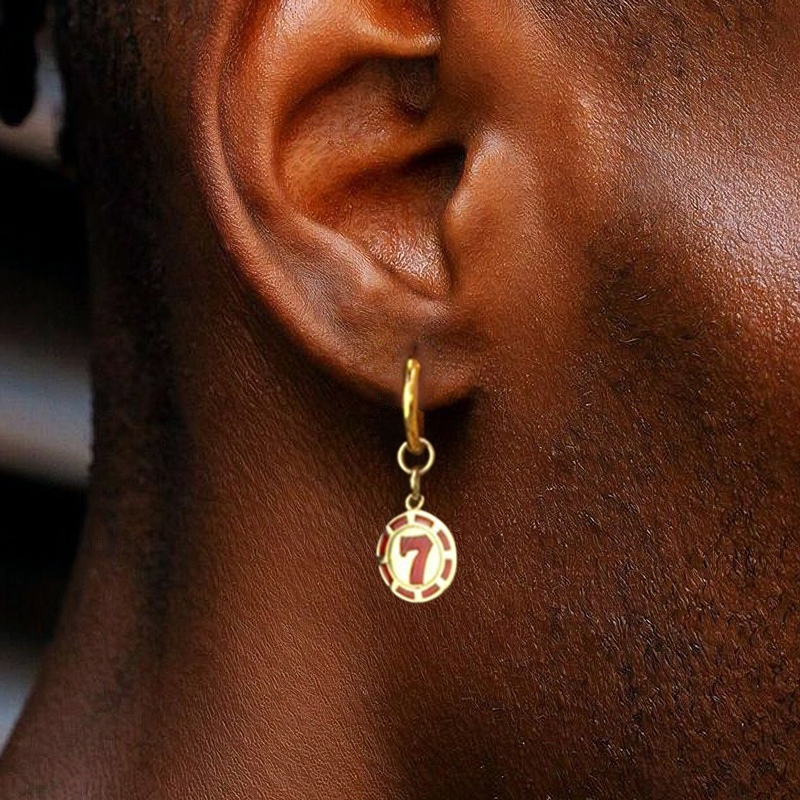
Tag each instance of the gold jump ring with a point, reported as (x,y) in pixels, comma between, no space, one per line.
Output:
(405,449)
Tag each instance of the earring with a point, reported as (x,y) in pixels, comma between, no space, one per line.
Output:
(416,552)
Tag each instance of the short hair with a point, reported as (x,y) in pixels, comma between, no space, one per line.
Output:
(19,22)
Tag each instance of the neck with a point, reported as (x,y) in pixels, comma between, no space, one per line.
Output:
(220,635)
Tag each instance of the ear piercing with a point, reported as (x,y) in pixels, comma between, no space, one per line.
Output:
(416,552)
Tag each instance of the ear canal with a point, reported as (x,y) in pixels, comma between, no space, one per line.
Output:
(327,165)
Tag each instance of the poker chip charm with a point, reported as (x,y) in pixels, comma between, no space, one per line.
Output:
(417,556)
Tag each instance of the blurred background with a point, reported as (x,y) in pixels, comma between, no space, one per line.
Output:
(44,383)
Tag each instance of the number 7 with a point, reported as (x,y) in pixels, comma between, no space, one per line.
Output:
(422,544)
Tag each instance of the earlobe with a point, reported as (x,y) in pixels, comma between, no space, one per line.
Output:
(327,168)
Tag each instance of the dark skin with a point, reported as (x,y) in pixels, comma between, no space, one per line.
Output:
(582,218)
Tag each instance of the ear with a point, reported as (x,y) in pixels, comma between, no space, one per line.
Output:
(328,163)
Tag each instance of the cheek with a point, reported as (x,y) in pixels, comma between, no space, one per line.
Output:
(632,183)
(720,267)
(539,181)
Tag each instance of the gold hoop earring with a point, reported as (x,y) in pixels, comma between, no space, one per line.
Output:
(416,552)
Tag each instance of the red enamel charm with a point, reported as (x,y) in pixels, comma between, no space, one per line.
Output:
(417,556)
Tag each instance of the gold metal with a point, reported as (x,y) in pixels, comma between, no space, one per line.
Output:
(415,502)
(416,482)
(417,556)
(416,499)
(416,552)
(413,418)
(423,470)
